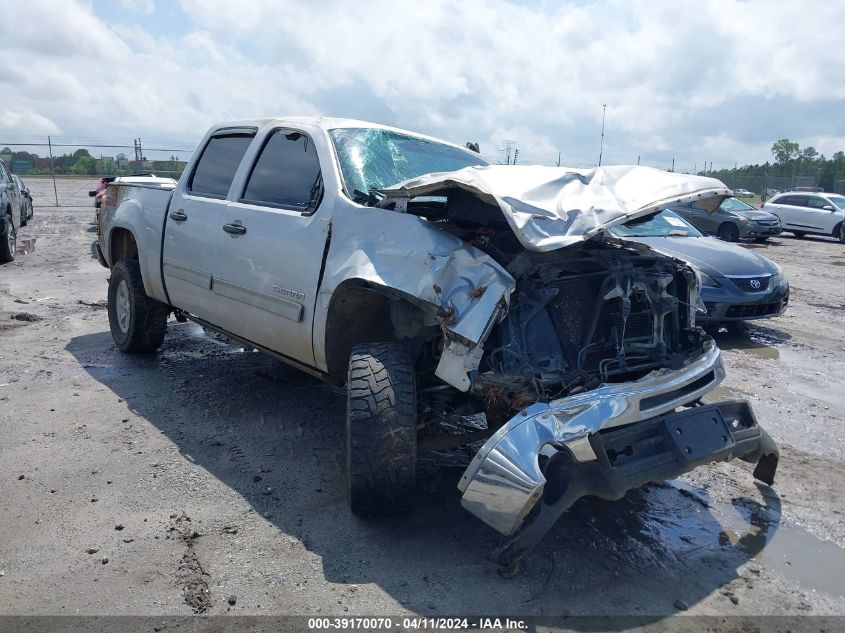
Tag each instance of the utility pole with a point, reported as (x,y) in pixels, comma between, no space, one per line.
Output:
(638,159)
(558,164)
(601,146)
(53,170)
(509,145)
(673,164)
(515,155)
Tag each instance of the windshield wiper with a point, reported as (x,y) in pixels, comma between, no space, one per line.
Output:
(370,199)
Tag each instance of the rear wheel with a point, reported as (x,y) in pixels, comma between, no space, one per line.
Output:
(729,232)
(381,429)
(8,241)
(137,322)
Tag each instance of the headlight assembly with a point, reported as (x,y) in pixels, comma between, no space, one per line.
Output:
(706,280)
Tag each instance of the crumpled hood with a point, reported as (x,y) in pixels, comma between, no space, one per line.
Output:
(554,207)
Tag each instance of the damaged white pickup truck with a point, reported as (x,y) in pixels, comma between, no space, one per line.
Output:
(441,289)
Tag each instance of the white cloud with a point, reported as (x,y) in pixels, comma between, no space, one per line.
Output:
(697,81)
(141,6)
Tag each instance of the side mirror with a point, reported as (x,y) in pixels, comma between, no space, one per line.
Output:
(828,207)
(91,194)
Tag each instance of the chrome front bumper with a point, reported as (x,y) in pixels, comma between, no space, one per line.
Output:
(504,481)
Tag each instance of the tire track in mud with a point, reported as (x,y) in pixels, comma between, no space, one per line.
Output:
(191,578)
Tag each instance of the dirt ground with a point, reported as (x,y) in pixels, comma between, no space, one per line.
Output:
(209,474)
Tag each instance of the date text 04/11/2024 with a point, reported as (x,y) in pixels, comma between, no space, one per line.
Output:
(419,623)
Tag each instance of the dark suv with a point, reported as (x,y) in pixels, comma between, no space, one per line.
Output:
(10,214)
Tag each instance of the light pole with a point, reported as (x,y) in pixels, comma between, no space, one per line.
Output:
(601,146)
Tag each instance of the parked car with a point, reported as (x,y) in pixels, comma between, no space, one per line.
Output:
(743,193)
(10,214)
(733,220)
(809,213)
(26,200)
(435,287)
(737,284)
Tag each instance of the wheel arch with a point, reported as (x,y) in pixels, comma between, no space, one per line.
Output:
(122,245)
(363,312)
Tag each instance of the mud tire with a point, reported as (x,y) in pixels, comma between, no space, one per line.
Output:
(381,429)
(8,241)
(145,323)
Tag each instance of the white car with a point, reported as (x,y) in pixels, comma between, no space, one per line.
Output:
(814,213)
(743,193)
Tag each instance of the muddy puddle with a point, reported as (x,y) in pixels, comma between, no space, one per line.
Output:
(757,533)
(756,341)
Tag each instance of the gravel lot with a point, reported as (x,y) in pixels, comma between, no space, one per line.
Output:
(208,478)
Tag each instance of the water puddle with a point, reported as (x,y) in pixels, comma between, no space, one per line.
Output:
(727,393)
(755,340)
(758,533)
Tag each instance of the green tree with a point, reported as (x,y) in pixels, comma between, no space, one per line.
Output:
(809,153)
(785,150)
(84,163)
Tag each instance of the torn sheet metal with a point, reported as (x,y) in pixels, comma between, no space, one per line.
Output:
(464,285)
(554,207)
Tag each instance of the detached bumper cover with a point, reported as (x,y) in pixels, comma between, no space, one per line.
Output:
(504,481)
(649,451)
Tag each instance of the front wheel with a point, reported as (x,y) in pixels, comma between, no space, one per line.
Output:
(9,241)
(137,322)
(729,232)
(839,233)
(381,429)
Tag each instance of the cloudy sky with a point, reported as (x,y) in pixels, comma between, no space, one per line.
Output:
(706,80)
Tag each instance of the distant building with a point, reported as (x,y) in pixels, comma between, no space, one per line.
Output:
(21,166)
(6,157)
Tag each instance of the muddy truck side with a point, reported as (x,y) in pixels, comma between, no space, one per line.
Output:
(462,304)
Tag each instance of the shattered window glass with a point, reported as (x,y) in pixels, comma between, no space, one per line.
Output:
(372,158)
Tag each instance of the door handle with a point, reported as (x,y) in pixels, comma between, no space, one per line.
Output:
(234,229)
(179,216)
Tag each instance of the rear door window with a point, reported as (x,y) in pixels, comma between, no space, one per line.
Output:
(286,173)
(795,201)
(216,168)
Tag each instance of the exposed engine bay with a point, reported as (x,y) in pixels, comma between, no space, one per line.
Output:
(595,313)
